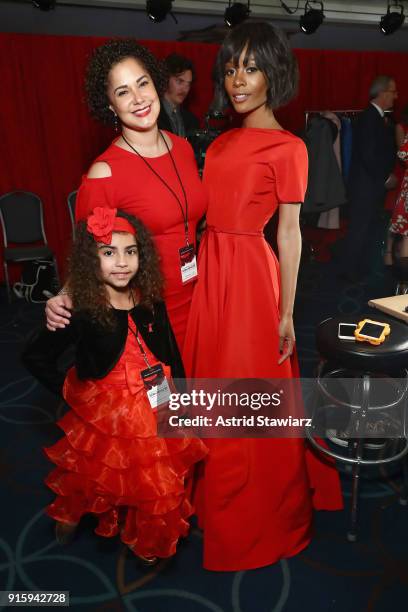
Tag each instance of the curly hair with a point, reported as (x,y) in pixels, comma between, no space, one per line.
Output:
(103,59)
(272,54)
(86,286)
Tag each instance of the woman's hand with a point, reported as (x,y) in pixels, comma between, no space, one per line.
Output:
(286,338)
(57,311)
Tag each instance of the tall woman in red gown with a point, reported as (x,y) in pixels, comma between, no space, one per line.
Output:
(256,496)
(145,172)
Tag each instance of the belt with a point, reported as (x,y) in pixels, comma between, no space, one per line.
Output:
(212,228)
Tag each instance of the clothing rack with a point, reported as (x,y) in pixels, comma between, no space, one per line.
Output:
(351,112)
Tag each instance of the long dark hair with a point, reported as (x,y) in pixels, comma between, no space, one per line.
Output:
(86,286)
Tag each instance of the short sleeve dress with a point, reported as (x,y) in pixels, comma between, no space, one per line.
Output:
(255,496)
(135,189)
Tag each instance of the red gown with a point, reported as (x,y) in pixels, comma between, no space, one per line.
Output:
(255,497)
(135,189)
(111,462)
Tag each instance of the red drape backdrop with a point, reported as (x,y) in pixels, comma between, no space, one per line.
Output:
(48,139)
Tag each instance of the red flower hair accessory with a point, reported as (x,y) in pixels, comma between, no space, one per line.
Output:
(103,221)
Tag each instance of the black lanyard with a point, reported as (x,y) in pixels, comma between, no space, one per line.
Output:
(184,212)
(141,348)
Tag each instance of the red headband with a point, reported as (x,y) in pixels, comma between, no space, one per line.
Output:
(103,221)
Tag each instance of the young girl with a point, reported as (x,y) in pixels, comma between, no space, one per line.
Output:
(111,462)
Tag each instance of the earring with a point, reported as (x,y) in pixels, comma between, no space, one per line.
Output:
(115,121)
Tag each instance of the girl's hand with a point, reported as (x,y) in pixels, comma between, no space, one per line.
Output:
(286,338)
(57,311)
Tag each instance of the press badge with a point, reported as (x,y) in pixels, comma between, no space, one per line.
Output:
(188,264)
(156,385)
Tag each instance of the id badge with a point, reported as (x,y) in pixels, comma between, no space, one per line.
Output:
(188,264)
(156,385)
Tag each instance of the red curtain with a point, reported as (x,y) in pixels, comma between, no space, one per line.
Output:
(48,139)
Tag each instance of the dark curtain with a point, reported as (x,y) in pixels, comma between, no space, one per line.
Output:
(48,139)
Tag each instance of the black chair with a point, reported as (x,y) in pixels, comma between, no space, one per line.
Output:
(71,201)
(21,216)
(364,390)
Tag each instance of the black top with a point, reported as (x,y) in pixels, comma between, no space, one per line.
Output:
(190,121)
(97,350)
(374,150)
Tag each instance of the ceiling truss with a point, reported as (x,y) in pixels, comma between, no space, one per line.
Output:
(347,11)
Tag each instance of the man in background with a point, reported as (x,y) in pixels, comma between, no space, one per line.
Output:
(372,162)
(173,117)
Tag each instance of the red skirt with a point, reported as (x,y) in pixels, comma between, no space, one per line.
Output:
(111,463)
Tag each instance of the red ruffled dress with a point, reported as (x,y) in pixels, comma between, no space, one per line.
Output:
(111,462)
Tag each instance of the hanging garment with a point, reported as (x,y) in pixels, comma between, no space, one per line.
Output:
(326,187)
(330,219)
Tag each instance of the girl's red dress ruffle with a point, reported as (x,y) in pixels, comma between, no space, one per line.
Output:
(112,463)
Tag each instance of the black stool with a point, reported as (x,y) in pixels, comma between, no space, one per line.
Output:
(350,373)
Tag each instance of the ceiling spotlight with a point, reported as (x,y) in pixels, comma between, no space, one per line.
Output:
(236,13)
(44,5)
(393,20)
(312,19)
(157,10)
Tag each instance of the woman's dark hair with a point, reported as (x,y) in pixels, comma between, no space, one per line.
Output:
(86,286)
(103,59)
(270,49)
(176,64)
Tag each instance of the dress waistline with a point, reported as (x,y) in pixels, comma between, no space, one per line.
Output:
(212,228)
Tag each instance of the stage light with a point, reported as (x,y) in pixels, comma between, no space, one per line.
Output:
(312,19)
(44,5)
(157,10)
(393,20)
(236,13)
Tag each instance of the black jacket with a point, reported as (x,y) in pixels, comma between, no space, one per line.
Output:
(325,186)
(191,122)
(98,350)
(373,156)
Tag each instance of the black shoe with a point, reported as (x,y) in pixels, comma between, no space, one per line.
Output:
(147,561)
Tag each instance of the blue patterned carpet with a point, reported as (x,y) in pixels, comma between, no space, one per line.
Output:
(330,575)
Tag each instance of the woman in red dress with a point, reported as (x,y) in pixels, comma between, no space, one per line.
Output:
(399,219)
(255,497)
(145,172)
